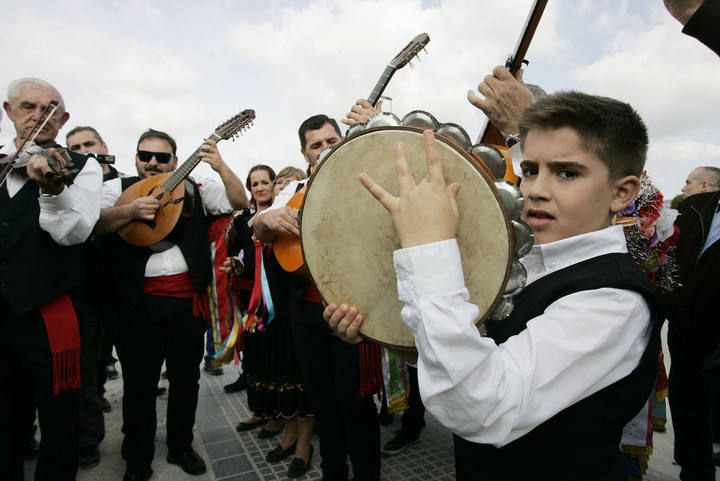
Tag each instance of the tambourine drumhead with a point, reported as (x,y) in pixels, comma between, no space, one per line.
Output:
(348,238)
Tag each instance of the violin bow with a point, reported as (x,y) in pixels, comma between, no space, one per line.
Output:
(47,113)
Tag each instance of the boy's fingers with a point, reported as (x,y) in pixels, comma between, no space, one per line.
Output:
(434,166)
(378,192)
(405,178)
(453,190)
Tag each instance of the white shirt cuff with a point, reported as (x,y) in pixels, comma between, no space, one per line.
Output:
(429,270)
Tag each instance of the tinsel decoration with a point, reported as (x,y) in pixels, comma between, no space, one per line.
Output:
(651,235)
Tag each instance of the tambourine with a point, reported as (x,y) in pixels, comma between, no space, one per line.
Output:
(348,238)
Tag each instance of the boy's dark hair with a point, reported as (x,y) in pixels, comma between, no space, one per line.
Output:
(157,134)
(313,123)
(610,129)
(84,128)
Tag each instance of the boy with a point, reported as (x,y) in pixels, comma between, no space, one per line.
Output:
(546,394)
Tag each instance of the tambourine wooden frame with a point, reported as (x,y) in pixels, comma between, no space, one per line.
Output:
(418,168)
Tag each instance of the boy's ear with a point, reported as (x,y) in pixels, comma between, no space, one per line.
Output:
(626,189)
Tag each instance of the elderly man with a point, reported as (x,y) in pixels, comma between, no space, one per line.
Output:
(42,263)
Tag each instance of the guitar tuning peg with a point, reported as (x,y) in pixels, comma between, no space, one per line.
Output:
(425,50)
(411,65)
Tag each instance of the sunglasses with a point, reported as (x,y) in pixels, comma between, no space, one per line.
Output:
(160,157)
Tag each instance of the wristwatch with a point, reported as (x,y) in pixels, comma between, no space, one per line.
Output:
(511,139)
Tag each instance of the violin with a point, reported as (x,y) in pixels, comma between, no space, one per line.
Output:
(61,165)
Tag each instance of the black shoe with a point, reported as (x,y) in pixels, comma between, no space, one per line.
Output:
(189,461)
(266,433)
(138,476)
(278,453)
(106,407)
(243,426)
(298,467)
(88,457)
(237,386)
(399,443)
(32,447)
(209,368)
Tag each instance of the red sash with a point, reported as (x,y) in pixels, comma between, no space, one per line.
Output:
(178,286)
(63,334)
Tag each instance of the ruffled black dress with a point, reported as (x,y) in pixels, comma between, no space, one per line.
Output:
(269,360)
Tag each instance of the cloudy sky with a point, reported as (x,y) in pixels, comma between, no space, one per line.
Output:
(185,66)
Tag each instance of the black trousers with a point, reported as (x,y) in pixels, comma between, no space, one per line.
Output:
(158,329)
(691,404)
(347,423)
(91,419)
(26,376)
(413,418)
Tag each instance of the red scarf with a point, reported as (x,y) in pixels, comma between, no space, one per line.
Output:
(63,334)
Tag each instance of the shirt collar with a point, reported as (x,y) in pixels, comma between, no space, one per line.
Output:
(547,258)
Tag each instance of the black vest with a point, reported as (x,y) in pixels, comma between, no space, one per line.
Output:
(34,269)
(581,442)
(129,261)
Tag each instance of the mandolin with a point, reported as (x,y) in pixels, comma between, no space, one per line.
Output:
(169,189)
(286,247)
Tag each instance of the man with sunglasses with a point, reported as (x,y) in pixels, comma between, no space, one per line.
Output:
(160,294)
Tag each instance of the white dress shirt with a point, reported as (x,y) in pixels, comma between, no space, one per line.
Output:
(70,216)
(171,261)
(494,394)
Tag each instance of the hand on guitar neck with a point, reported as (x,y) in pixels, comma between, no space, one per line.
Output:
(506,97)
(361,112)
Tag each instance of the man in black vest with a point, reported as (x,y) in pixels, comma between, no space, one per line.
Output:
(160,291)
(99,313)
(694,331)
(347,421)
(42,263)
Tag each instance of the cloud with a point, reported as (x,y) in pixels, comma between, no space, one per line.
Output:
(176,66)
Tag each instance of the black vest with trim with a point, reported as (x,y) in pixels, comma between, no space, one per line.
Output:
(192,238)
(581,442)
(34,269)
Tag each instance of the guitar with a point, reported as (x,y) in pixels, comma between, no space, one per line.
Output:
(169,189)
(489,134)
(287,247)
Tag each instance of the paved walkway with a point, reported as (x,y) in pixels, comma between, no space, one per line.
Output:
(233,456)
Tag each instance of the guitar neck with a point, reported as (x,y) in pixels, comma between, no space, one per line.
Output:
(184,170)
(381,84)
(489,134)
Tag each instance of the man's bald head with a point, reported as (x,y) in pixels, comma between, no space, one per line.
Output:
(702,179)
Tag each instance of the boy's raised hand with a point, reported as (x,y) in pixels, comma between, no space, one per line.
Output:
(426,212)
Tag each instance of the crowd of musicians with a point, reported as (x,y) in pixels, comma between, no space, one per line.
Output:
(517,401)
